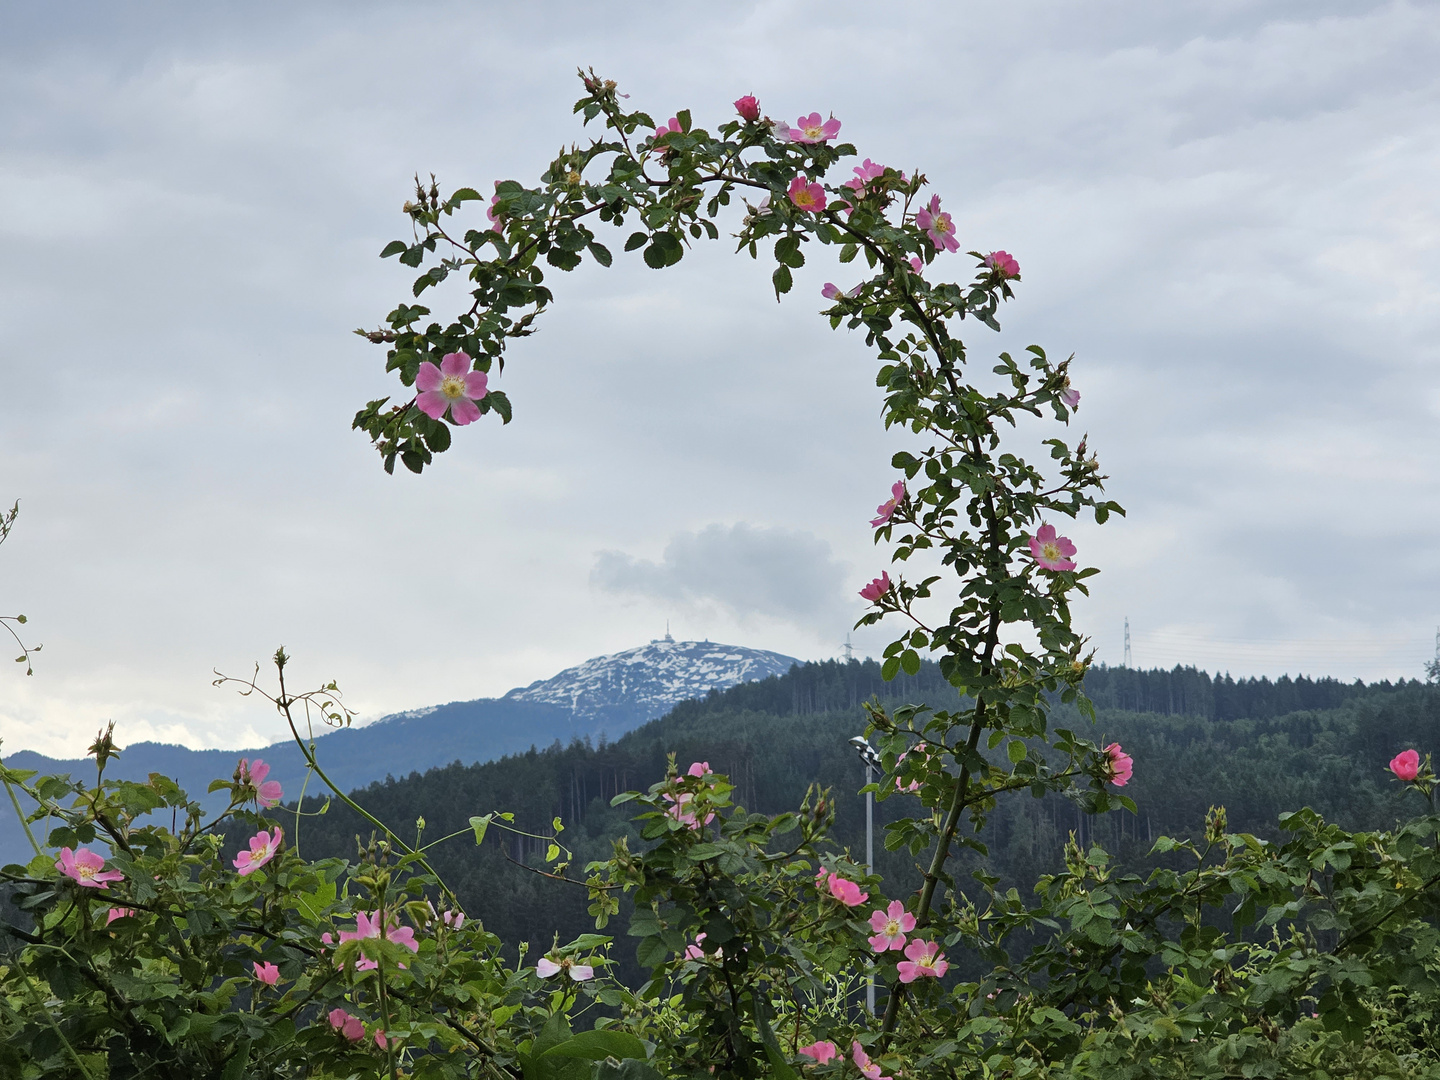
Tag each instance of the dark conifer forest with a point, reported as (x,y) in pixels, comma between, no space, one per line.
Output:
(1255,746)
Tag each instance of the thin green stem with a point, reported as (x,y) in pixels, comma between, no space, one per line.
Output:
(15,802)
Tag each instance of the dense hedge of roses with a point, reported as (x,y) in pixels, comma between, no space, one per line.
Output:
(154,951)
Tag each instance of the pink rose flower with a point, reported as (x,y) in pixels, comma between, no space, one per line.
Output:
(916,264)
(85,867)
(748,108)
(268,974)
(805,195)
(810,129)
(687,817)
(1120,764)
(451,386)
(1004,263)
(453,919)
(263,847)
(1052,552)
(868,1069)
(1069,396)
(938,226)
(890,926)
(578,972)
(823,1052)
(877,588)
(831,291)
(698,768)
(923,960)
(347,1025)
(267,792)
(368,926)
(1406,765)
(842,889)
(885,509)
(670,128)
(118,913)
(497,223)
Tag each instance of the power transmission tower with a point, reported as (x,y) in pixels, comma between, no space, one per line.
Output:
(1432,669)
(850,649)
(1127,641)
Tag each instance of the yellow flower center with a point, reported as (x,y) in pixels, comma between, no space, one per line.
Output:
(941,225)
(86,872)
(453,386)
(1052,551)
(814,132)
(892,928)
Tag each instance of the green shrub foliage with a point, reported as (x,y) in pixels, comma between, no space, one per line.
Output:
(150,947)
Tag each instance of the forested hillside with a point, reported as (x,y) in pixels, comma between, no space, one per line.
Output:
(775,736)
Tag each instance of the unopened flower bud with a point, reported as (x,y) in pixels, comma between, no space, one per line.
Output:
(1215,824)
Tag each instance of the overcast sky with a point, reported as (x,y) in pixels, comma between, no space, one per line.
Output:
(1227,211)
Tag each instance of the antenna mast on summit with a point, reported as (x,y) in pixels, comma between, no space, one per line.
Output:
(1127,641)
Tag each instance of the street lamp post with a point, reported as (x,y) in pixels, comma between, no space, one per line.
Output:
(872,763)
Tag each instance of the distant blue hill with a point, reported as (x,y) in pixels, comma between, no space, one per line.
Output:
(603,697)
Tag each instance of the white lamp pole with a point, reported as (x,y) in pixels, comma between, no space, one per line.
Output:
(872,761)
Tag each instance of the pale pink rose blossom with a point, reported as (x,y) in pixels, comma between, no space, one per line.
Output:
(263,846)
(890,926)
(805,195)
(877,588)
(679,810)
(268,974)
(831,291)
(671,128)
(1004,263)
(368,926)
(1120,764)
(914,785)
(923,960)
(347,1025)
(1406,765)
(885,509)
(1052,552)
(577,972)
(868,1068)
(697,951)
(698,768)
(748,107)
(267,792)
(118,913)
(1069,395)
(497,222)
(85,867)
(842,889)
(451,386)
(811,129)
(938,226)
(823,1052)
(453,919)
(380,1040)
(917,264)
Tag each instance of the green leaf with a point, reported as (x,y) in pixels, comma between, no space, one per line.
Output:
(480,824)
(890,668)
(598,1045)
(1016,751)
(601,254)
(637,240)
(465,194)
(782,279)
(652,952)
(394,247)
(910,661)
(552,852)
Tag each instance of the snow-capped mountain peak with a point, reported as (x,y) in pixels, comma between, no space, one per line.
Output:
(653,678)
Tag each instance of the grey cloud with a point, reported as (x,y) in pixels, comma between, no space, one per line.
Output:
(746,570)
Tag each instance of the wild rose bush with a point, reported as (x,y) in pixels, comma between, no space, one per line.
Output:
(154,952)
